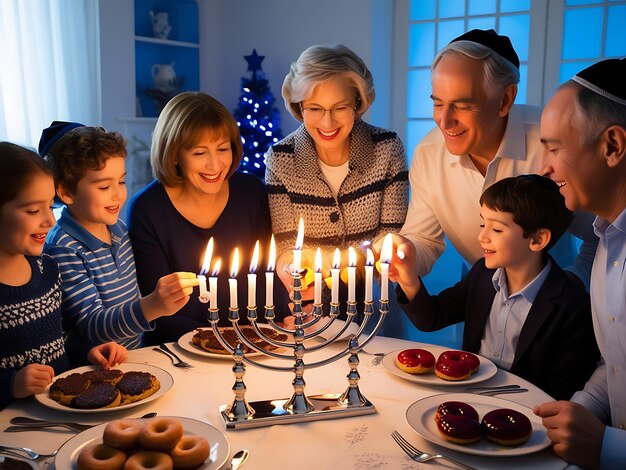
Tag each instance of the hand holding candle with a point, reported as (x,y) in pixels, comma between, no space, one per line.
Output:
(351,274)
(369,270)
(232,282)
(335,276)
(206,265)
(385,259)
(318,278)
(269,275)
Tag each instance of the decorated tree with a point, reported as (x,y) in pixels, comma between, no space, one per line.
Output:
(257,118)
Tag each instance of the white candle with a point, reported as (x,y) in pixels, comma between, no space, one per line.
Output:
(318,277)
(351,274)
(335,276)
(252,277)
(203,290)
(297,252)
(385,258)
(232,282)
(269,275)
(369,270)
(206,265)
(213,285)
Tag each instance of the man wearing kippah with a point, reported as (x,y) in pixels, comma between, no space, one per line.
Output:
(482,137)
(583,131)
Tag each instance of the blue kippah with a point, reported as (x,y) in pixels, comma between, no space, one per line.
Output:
(498,43)
(53,133)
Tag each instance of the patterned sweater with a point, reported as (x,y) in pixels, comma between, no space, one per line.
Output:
(372,200)
(30,324)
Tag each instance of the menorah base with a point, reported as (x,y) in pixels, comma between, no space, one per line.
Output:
(271,412)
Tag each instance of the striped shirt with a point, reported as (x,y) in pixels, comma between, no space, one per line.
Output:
(100,293)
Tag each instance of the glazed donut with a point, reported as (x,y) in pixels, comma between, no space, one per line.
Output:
(451,366)
(472,361)
(190,452)
(160,434)
(459,429)
(415,361)
(151,460)
(506,427)
(122,434)
(100,457)
(456,408)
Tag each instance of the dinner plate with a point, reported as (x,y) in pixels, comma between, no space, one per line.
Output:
(486,370)
(220,449)
(164,377)
(186,343)
(421,417)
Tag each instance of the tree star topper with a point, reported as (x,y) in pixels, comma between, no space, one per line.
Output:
(254,61)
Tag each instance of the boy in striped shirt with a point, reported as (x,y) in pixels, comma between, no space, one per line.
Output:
(101,300)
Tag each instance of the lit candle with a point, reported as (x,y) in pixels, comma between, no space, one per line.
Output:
(269,275)
(385,258)
(232,282)
(206,265)
(213,285)
(335,275)
(297,252)
(369,270)
(351,274)
(318,277)
(252,277)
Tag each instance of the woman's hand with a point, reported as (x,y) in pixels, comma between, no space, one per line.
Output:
(108,355)
(170,295)
(32,379)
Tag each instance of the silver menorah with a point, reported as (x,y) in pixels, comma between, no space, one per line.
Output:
(241,414)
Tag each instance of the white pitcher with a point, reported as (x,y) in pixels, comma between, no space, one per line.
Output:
(164,77)
(161,27)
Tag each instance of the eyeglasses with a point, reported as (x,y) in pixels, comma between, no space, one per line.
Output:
(316,113)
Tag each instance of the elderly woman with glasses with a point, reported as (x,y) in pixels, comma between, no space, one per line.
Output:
(347,179)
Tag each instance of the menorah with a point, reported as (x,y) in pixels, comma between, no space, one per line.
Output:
(242,414)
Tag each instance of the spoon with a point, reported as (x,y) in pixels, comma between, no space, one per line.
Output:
(238,459)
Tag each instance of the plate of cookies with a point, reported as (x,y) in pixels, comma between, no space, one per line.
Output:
(478,425)
(436,365)
(202,341)
(91,389)
(174,442)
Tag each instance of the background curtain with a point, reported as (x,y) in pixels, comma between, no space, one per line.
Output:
(49,66)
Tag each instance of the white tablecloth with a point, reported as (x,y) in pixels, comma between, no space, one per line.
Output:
(355,443)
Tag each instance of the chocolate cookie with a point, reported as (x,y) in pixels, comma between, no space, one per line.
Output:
(65,389)
(97,395)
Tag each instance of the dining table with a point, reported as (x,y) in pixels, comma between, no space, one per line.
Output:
(351,443)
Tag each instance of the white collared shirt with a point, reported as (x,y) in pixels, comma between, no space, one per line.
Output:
(507,316)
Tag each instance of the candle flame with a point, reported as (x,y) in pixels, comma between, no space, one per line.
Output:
(208,253)
(351,257)
(370,257)
(387,248)
(271,263)
(300,237)
(318,260)
(255,258)
(336,259)
(216,267)
(234,267)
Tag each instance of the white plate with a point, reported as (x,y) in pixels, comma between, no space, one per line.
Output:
(486,370)
(164,377)
(186,343)
(421,417)
(220,449)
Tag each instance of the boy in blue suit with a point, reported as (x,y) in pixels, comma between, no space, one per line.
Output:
(520,308)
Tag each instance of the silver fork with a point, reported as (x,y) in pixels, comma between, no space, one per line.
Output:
(491,393)
(28,453)
(176,361)
(378,357)
(420,456)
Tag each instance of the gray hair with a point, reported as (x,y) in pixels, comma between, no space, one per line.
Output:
(497,71)
(320,63)
(594,113)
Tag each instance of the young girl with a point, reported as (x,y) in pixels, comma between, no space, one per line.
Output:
(33,347)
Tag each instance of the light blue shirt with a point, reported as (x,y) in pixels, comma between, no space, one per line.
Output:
(605,392)
(507,316)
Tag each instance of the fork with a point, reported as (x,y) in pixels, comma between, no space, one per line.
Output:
(29,453)
(378,357)
(420,456)
(491,393)
(176,361)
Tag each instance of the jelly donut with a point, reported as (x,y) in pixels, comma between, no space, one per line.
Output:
(456,408)
(122,434)
(100,457)
(415,361)
(190,452)
(459,429)
(151,460)
(506,427)
(451,366)
(472,361)
(160,434)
